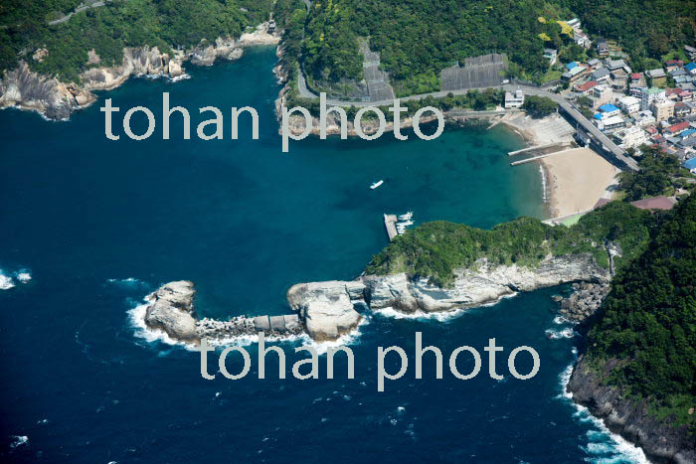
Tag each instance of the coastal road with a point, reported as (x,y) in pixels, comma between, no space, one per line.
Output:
(81,7)
(601,140)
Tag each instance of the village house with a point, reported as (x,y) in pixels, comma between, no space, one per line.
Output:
(663,109)
(514,99)
(602,95)
(601,75)
(631,137)
(657,76)
(551,54)
(586,87)
(676,129)
(649,95)
(629,104)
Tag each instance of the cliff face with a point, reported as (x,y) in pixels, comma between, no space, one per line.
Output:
(28,90)
(661,439)
(481,285)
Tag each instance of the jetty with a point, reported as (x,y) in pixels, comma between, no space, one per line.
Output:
(537,147)
(390,221)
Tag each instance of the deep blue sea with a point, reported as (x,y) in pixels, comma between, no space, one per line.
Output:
(99,224)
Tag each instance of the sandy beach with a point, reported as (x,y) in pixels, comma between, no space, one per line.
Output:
(576,180)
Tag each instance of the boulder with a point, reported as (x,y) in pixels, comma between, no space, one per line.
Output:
(171,310)
(327,308)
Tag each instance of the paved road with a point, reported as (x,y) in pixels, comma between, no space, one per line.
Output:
(81,7)
(599,138)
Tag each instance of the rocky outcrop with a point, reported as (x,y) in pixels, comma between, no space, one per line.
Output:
(662,440)
(137,62)
(171,310)
(482,284)
(585,300)
(328,309)
(28,90)
(25,89)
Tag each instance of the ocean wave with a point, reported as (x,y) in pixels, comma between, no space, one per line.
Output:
(440,316)
(9,280)
(136,317)
(603,446)
(558,334)
(19,440)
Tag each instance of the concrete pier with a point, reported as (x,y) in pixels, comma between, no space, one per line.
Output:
(390,224)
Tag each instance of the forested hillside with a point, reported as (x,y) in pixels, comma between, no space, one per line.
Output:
(418,38)
(649,321)
(436,249)
(646,28)
(24,27)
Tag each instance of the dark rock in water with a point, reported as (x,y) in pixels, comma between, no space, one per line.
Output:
(585,300)
(662,440)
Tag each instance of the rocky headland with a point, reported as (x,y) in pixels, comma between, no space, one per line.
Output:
(661,439)
(25,89)
(327,310)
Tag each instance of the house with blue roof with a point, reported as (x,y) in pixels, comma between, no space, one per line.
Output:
(609,110)
(571,65)
(691,67)
(691,165)
(687,133)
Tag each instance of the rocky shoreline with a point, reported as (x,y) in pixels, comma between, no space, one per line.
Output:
(326,311)
(28,90)
(661,440)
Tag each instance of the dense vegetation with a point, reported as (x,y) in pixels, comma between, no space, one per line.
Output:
(645,28)
(164,23)
(656,176)
(539,107)
(418,38)
(436,249)
(649,320)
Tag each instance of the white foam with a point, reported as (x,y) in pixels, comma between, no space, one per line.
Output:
(557,334)
(19,440)
(6,282)
(23,276)
(603,447)
(137,320)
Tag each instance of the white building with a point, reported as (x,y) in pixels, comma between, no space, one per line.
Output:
(514,99)
(631,137)
(629,104)
(645,118)
(551,54)
(648,96)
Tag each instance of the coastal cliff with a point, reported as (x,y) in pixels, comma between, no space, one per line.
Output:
(661,439)
(25,89)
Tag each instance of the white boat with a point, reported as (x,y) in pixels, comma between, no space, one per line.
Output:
(406,217)
(377,184)
(405,223)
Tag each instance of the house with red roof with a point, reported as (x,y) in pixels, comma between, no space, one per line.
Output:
(673,65)
(587,86)
(676,129)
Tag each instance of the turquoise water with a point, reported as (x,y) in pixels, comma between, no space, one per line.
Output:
(244,221)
